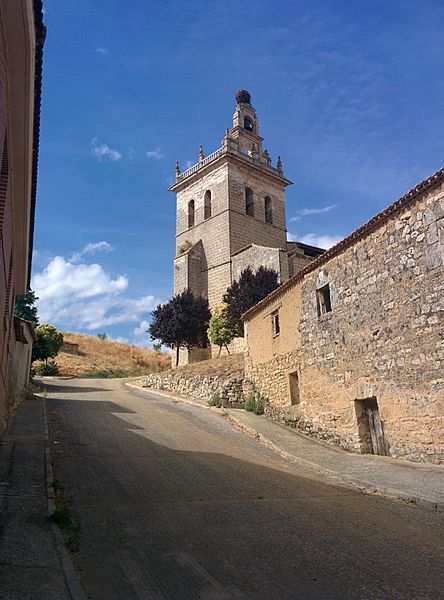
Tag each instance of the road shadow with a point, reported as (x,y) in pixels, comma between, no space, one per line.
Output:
(70,389)
(163,523)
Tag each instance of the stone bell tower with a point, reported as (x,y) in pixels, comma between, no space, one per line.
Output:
(230,211)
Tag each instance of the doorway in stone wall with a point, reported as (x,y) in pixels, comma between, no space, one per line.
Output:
(370,427)
(293,384)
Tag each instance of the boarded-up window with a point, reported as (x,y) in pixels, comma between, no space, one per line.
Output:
(268,210)
(207,205)
(191,213)
(249,202)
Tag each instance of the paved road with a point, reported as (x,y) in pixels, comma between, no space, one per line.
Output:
(176,504)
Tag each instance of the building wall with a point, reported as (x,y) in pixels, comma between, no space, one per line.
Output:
(6,244)
(21,355)
(260,256)
(244,229)
(212,234)
(384,338)
(22,35)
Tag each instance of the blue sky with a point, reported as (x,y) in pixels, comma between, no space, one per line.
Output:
(350,94)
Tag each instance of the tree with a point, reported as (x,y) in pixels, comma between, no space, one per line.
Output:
(181,323)
(48,343)
(219,331)
(247,291)
(24,307)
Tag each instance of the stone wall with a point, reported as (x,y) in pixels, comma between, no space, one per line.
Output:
(255,256)
(382,339)
(198,386)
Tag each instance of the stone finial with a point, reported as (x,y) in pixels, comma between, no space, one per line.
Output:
(243,97)
(177,169)
(279,164)
(226,138)
(267,157)
(201,153)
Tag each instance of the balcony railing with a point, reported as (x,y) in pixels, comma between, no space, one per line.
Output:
(228,150)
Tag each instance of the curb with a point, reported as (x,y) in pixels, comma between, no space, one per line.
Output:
(72,580)
(363,485)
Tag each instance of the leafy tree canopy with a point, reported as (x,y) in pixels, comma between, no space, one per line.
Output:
(24,307)
(48,343)
(247,291)
(181,323)
(219,331)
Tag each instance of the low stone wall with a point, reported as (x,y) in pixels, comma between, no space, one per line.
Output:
(198,386)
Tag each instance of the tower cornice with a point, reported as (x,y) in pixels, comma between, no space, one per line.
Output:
(222,156)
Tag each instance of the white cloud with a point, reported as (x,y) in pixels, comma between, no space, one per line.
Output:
(140,337)
(102,50)
(91,248)
(313,239)
(74,295)
(303,212)
(157,154)
(101,151)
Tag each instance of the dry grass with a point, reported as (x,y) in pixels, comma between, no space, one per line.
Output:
(231,365)
(107,358)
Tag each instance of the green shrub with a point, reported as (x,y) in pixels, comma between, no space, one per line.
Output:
(250,402)
(49,368)
(253,405)
(258,408)
(102,336)
(215,400)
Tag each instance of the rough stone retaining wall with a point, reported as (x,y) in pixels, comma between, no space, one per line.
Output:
(201,387)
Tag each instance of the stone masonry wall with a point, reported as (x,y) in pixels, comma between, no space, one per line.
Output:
(259,256)
(198,386)
(384,336)
(383,339)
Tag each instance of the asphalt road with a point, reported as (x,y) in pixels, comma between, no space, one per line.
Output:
(176,504)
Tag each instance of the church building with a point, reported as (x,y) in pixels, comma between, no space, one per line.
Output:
(231,214)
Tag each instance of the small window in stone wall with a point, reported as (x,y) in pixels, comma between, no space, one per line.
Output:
(276,324)
(249,202)
(268,210)
(191,213)
(323,300)
(207,205)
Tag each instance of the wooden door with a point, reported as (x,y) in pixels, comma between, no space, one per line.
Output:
(379,443)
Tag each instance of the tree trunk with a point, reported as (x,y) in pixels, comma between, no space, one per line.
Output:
(177,354)
(220,348)
(227,349)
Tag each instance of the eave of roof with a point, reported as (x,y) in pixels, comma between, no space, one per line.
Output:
(40,35)
(375,222)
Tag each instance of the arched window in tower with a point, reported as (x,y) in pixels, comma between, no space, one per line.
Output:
(248,124)
(249,202)
(207,205)
(191,213)
(268,210)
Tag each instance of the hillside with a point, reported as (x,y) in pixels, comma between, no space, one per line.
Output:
(107,358)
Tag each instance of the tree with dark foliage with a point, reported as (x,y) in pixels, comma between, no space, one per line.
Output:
(247,291)
(181,323)
(24,307)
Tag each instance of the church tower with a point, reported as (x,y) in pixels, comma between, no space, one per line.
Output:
(230,211)
(227,202)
